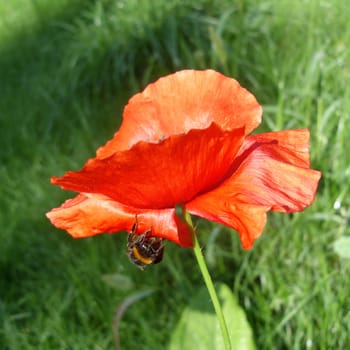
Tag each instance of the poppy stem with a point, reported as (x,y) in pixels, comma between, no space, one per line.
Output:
(208,281)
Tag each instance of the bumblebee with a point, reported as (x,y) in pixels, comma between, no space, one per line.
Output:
(143,249)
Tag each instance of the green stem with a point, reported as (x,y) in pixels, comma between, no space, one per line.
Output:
(208,281)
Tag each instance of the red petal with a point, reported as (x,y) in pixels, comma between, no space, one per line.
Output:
(88,215)
(273,170)
(293,145)
(270,172)
(160,175)
(248,220)
(183,101)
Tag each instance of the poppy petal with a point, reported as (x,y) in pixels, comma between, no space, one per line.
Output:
(293,145)
(160,175)
(87,215)
(248,220)
(273,170)
(270,173)
(182,101)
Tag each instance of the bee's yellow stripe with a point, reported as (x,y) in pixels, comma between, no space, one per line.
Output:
(138,256)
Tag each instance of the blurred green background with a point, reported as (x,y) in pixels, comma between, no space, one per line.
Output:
(67,68)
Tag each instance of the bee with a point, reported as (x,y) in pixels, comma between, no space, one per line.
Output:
(143,249)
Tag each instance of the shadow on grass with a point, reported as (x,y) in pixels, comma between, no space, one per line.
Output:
(76,70)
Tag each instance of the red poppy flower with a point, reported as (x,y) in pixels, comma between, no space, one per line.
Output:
(183,140)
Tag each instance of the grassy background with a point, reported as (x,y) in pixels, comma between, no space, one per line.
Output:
(66,70)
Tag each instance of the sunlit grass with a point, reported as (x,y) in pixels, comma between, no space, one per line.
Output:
(68,67)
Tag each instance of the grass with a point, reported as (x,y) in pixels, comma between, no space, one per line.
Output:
(68,67)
